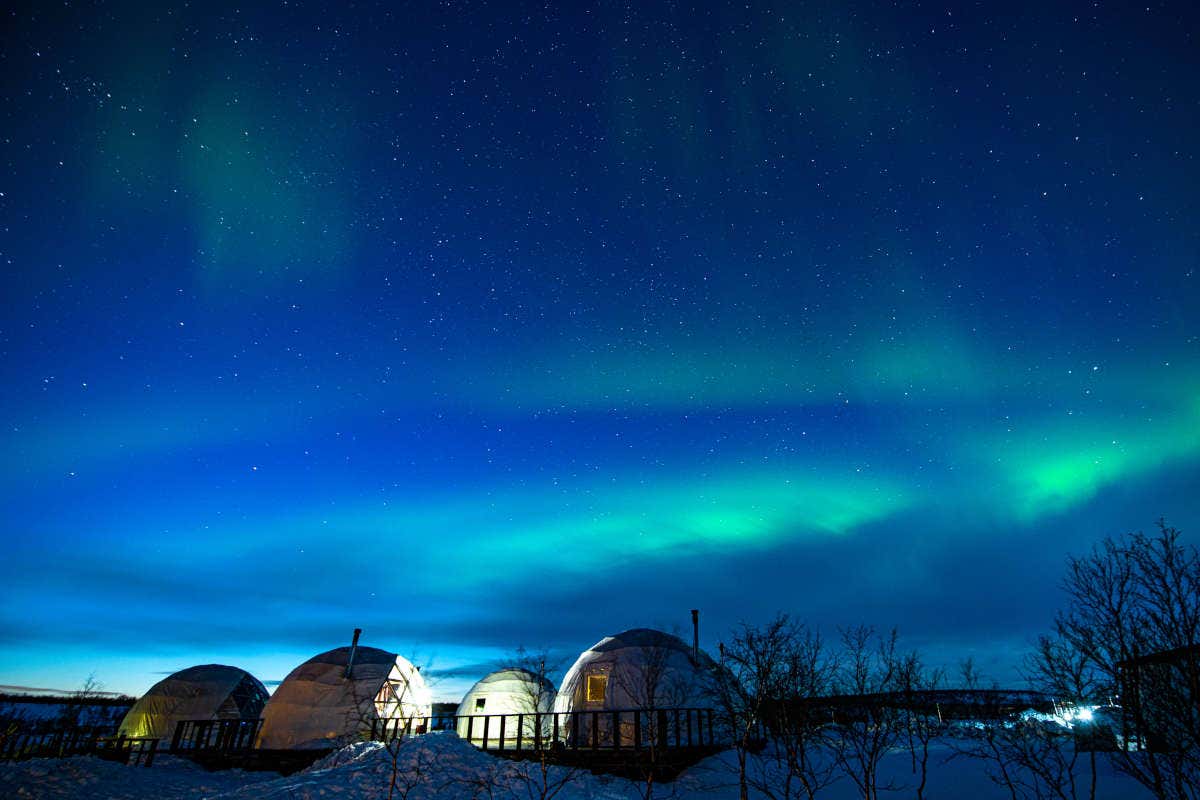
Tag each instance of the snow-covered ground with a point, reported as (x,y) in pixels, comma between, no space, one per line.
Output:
(442,766)
(92,778)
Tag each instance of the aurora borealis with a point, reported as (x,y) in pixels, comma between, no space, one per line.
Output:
(485,325)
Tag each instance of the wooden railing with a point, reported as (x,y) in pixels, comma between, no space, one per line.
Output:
(610,730)
(621,729)
(223,735)
(135,750)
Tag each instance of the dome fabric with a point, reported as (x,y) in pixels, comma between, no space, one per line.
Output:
(207,691)
(505,692)
(316,705)
(636,670)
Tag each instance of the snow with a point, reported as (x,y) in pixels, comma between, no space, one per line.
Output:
(442,766)
(92,778)
(950,778)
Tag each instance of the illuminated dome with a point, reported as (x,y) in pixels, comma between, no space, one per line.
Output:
(208,691)
(637,669)
(506,691)
(317,705)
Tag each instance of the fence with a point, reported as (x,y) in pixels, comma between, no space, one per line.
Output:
(135,750)
(215,734)
(620,729)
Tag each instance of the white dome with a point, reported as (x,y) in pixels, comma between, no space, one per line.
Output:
(318,706)
(207,691)
(505,692)
(627,676)
(637,669)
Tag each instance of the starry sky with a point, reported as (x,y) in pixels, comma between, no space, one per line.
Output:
(479,325)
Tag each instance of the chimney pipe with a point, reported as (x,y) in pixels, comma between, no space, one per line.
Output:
(696,635)
(353,651)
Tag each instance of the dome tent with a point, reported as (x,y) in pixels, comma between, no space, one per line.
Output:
(505,692)
(317,705)
(636,670)
(207,691)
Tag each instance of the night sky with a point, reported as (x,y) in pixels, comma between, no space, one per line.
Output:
(484,325)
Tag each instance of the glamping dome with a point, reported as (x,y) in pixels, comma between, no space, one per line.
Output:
(208,691)
(635,671)
(505,692)
(331,699)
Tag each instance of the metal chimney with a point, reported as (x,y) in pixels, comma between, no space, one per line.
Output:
(353,651)
(696,635)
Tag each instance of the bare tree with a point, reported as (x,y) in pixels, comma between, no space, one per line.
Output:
(743,685)
(80,705)
(1131,629)
(984,741)
(921,727)
(654,684)
(1063,672)
(1032,758)
(367,720)
(868,727)
(416,771)
(764,686)
(540,778)
(537,690)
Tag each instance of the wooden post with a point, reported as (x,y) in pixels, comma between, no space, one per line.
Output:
(595,730)
(637,729)
(616,730)
(687,712)
(502,718)
(554,732)
(520,730)
(470,729)
(486,721)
